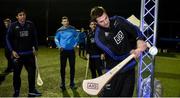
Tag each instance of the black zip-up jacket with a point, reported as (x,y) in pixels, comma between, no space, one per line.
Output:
(21,38)
(91,46)
(118,40)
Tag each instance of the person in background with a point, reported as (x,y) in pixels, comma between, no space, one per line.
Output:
(21,41)
(82,42)
(66,40)
(94,53)
(2,30)
(7,23)
(118,38)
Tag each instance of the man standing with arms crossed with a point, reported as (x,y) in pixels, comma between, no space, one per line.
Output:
(118,38)
(21,40)
(66,40)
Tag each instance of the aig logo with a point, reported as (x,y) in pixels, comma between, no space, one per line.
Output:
(119,37)
(92,85)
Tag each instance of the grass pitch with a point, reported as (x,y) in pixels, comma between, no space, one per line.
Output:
(166,70)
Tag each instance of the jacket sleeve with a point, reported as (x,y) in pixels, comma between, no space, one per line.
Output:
(9,37)
(57,39)
(77,38)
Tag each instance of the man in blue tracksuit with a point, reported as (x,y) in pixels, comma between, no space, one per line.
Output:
(118,38)
(66,40)
(21,41)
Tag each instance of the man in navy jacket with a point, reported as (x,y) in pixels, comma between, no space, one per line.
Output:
(21,40)
(118,38)
(94,53)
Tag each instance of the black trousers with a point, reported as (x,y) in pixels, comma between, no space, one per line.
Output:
(121,85)
(95,64)
(82,49)
(64,55)
(28,61)
(9,59)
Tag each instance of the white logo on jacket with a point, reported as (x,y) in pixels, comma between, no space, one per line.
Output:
(24,33)
(17,27)
(92,40)
(106,34)
(119,37)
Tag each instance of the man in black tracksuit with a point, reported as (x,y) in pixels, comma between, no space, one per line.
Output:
(21,40)
(94,53)
(118,38)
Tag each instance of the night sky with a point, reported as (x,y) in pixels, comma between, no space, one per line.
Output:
(46,14)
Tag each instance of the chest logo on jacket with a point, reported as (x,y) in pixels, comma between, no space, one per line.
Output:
(92,40)
(17,27)
(106,34)
(24,33)
(119,37)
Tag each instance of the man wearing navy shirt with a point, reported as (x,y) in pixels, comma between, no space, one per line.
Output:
(21,40)
(94,53)
(118,38)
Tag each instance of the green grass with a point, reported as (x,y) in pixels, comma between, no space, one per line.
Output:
(166,70)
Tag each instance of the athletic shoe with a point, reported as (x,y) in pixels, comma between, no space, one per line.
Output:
(16,93)
(34,93)
(73,86)
(63,87)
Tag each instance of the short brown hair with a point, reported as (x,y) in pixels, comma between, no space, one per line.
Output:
(19,10)
(96,12)
(64,17)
